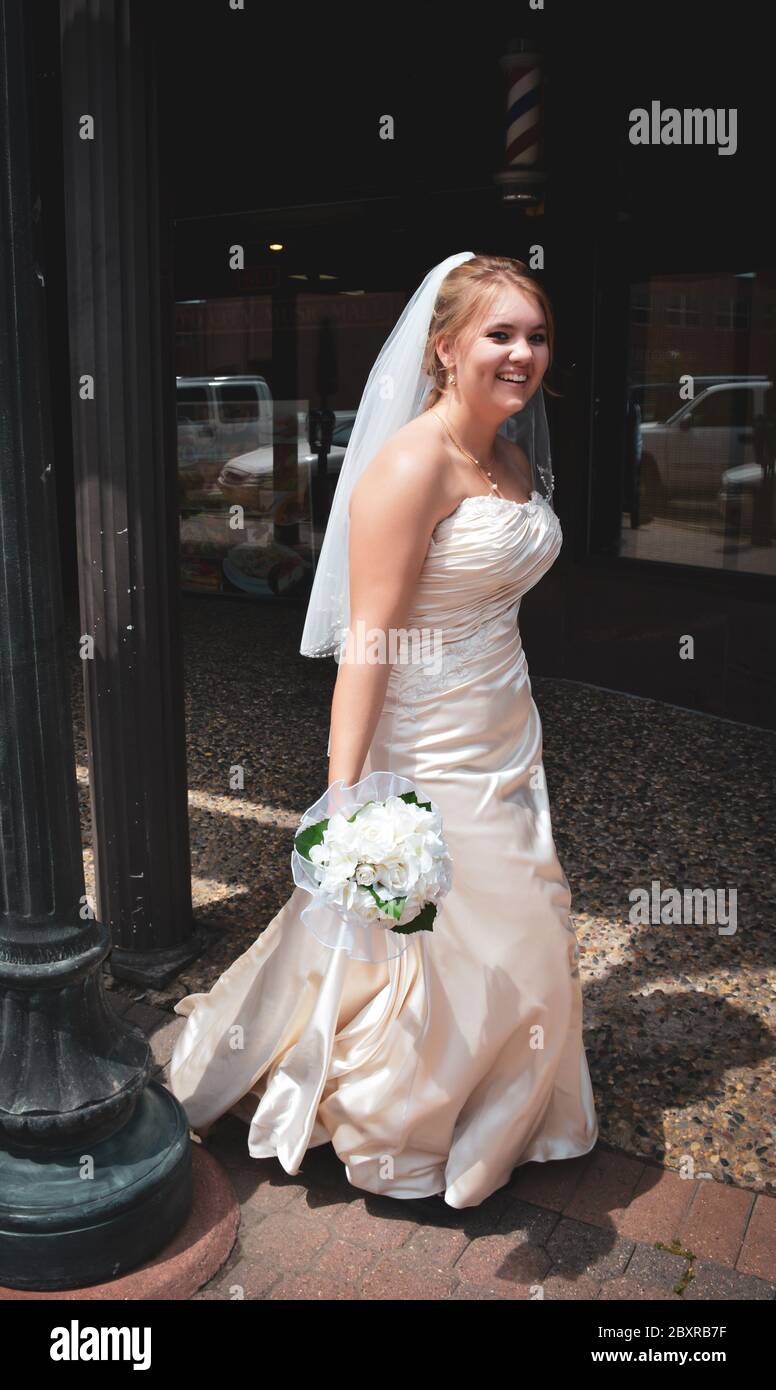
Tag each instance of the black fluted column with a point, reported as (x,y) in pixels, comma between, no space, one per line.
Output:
(95,1161)
(122,377)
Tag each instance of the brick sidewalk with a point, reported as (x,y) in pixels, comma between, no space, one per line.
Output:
(604,1226)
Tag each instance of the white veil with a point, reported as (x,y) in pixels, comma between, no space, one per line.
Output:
(395,392)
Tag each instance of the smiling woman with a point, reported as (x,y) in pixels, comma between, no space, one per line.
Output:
(488,350)
(491,299)
(439,1070)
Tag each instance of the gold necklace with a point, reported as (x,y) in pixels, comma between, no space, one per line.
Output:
(484,472)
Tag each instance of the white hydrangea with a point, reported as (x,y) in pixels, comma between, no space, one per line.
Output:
(394,847)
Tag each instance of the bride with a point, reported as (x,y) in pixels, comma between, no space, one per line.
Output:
(443,1067)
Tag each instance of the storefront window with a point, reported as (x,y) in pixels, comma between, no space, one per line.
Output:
(700,437)
(257,465)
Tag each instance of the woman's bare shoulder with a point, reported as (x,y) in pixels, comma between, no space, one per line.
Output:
(411,462)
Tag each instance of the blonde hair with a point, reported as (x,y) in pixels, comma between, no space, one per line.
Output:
(463,295)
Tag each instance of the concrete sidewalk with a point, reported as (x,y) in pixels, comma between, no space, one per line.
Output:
(601,1227)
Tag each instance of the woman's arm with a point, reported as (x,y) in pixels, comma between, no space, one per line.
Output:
(393,510)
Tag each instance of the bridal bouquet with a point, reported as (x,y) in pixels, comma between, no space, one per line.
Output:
(375,862)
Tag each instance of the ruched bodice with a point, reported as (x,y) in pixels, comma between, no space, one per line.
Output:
(482,559)
(487,552)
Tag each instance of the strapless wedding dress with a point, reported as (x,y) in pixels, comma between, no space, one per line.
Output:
(441,1069)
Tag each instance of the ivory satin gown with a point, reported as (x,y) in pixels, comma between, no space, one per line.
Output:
(444,1068)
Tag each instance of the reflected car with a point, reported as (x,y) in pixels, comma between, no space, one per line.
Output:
(685,457)
(657,400)
(741,486)
(248,478)
(221,415)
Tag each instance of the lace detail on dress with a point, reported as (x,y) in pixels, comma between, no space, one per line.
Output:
(417,681)
(490,497)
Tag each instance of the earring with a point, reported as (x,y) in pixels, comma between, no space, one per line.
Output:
(451,378)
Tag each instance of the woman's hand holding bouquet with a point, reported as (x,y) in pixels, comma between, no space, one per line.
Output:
(374,860)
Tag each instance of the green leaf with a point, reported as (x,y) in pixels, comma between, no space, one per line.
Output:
(393,906)
(423,922)
(312,835)
(411,796)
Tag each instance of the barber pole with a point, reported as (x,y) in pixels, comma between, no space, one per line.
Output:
(524,119)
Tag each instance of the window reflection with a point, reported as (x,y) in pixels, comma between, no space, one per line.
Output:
(258,464)
(700,422)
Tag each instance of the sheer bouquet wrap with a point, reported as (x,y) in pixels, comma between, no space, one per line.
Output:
(373,858)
